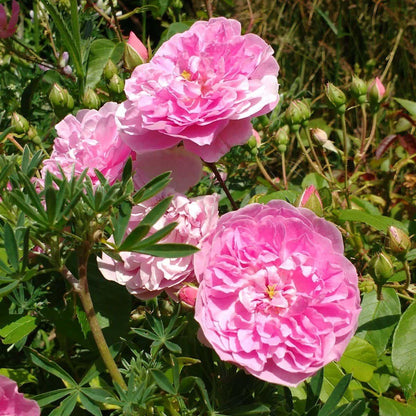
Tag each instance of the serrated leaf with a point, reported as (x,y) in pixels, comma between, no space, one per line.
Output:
(403,354)
(378,318)
(18,329)
(379,222)
(100,52)
(360,359)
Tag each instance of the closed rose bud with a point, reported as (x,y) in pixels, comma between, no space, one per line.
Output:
(19,123)
(297,114)
(310,199)
(383,268)
(336,98)
(110,69)
(116,84)
(91,100)
(322,138)
(376,91)
(58,96)
(399,241)
(282,138)
(359,89)
(187,295)
(135,53)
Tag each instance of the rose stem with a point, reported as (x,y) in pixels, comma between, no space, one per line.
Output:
(222,184)
(84,294)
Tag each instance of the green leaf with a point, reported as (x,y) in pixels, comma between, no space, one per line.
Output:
(389,407)
(66,407)
(5,290)
(378,318)
(250,410)
(316,180)
(355,408)
(335,396)
(403,354)
(51,396)
(162,381)
(169,250)
(100,52)
(17,329)
(379,222)
(10,245)
(360,359)
(76,33)
(134,237)
(51,367)
(332,375)
(154,238)
(157,212)
(121,221)
(152,187)
(410,106)
(89,405)
(289,196)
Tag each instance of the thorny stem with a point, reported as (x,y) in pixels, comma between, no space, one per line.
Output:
(81,287)
(363,128)
(265,174)
(222,184)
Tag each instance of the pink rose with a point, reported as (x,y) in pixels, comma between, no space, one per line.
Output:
(8,29)
(185,167)
(276,297)
(87,141)
(136,44)
(146,276)
(201,87)
(14,403)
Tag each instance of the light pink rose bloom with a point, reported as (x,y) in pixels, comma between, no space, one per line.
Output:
(13,403)
(187,295)
(87,141)
(185,167)
(147,276)
(201,87)
(277,297)
(8,28)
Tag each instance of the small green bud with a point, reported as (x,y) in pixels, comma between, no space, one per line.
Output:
(399,241)
(383,268)
(110,69)
(282,138)
(359,89)
(91,100)
(254,151)
(252,142)
(116,84)
(297,114)
(336,98)
(19,123)
(61,100)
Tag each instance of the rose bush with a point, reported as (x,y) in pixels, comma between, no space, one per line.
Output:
(201,87)
(87,141)
(146,276)
(13,403)
(277,296)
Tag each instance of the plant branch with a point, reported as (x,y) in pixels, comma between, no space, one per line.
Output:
(222,184)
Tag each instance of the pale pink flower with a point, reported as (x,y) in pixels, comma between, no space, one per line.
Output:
(186,168)
(138,47)
(201,87)
(147,276)
(277,297)
(87,141)
(8,28)
(13,403)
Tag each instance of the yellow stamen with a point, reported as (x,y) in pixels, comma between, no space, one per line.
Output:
(271,290)
(186,75)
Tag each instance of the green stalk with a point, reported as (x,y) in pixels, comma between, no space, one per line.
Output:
(85,297)
(345,139)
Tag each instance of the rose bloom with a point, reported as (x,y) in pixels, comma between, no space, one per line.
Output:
(8,28)
(146,276)
(201,87)
(13,403)
(87,141)
(276,297)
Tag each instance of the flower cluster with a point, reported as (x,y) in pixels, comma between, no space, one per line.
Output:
(276,295)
